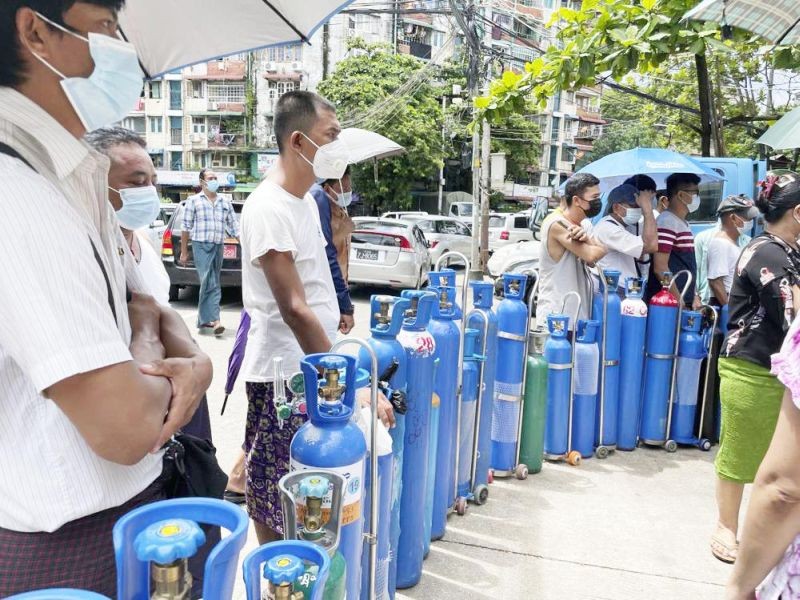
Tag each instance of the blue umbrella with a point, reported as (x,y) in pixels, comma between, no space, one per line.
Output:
(614,169)
(235,359)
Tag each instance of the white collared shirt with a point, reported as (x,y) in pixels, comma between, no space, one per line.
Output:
(56,320)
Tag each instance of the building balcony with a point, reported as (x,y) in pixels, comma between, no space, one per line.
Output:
(206,106)
(226,140)
(590,115)
(589,132)
(414,48)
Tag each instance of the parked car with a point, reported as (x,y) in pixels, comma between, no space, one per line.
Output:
(443,234)
(155,232)
(181,276)
(507,229)
(388,252)
(399,214)
(462,211)
(518,258)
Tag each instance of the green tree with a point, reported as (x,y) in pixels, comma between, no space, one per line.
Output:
(613,38)
(391,94)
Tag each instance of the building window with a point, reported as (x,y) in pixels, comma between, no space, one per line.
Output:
(555,131)
(437,39)
(279,88)
(226,93)
(134,124)
(197,89)
(176,161)
(553,158)
(226,161)
(155,90)
(158,160)
(156,124)
(175,95)
(285,53)
(198,125)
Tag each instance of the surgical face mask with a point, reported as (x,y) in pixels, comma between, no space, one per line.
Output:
(632,216)
(212,185)
(344,199)
(140,206)
(594,207)
(745,227)
(113,88)
(330,161)
(694,204)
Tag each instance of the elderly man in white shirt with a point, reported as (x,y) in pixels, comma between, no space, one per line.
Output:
(91,384)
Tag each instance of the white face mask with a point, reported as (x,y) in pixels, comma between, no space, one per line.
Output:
(113,88)
(344,199)
(694,204)
(745,227)
(140,206)
(330,161)
(632,216)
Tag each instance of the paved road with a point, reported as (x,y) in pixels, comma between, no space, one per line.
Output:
(633,526)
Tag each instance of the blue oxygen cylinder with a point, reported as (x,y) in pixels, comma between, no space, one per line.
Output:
(631,364)
(444,327)
(723,319)
(558,354)
(386,320)
(430,485)
(587,363)
(512,329)
(691,352)
(484,319)
(662,317)
(446,278)
(420,348)
(470,383)
(331,440)
(609,343)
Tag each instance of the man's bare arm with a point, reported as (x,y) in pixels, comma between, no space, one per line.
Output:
(281,274)
(580,244)
(717,286)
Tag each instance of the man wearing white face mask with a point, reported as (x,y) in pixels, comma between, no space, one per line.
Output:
(628,231)
(675,238)
(333,196)
(736,215)
(90,384)
(287,290)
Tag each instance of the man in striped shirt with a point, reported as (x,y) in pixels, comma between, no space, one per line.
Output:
(675,239)
(87,393)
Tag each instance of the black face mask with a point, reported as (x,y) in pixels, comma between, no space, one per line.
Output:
(594,208)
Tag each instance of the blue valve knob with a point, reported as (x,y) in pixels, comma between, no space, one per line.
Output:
(333,362)
(314,486)
(167,541)
(283,569)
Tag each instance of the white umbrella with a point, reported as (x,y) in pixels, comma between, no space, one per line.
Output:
(170,34)
(774,20)
(364,145)
(785,133)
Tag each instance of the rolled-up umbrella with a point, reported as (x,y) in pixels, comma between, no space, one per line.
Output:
(236,357)
(172,34)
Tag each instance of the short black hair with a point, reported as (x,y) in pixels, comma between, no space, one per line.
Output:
(334,181)
(643,183)
(12,67)
(577,184)
(677,181)
(106,138)
(203,174)
(297,111)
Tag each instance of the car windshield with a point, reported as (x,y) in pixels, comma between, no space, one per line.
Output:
(496,221)
(465,210)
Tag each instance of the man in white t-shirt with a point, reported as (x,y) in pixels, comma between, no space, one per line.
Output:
(628,231)
(736,215)
(287,289)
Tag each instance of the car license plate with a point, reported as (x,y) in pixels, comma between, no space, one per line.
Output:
(229,251)
(367,254)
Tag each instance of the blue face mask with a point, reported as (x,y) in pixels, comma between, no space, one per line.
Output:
(113,88)
(212,185)
(140,207)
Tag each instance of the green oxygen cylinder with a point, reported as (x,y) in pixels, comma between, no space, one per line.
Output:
(534,406)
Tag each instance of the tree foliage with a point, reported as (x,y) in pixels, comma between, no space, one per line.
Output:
(614,38)
(371,77)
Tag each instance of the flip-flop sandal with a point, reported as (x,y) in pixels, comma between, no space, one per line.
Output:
(723,551)
(234,497)
(219,330)
(206,329)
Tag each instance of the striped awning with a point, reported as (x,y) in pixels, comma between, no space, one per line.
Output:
(775,20)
